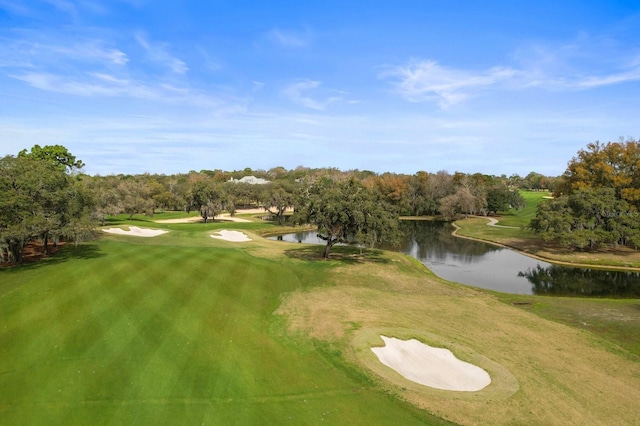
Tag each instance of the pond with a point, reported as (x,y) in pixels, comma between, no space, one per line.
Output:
(495,268)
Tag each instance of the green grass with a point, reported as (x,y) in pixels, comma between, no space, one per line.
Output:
(178,329)
(521,217)
(185,329)
(164,215)
(518,219)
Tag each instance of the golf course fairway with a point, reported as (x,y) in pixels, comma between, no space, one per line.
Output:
(183,328)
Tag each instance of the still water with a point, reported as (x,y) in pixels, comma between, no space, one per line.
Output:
(484,265)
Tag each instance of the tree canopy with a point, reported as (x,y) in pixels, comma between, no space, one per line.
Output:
(597,200)
(345,211)
(587,219)
(612,165)
(39,200)
(57,155)
(277,198)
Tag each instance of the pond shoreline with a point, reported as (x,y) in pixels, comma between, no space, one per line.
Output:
(496,266)
(549,259)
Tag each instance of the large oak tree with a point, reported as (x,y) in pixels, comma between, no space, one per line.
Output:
(612,165)
(345,211)
(39,199)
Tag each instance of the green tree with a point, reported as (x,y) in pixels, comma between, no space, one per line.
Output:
(587,219)
(39,200)
(345,211)
(106,196)
(612,165)
(418,192)
(208,197)
(502,198)
(277,197)
(134,196)
(57,155)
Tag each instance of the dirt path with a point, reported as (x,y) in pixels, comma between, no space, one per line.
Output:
(494,222)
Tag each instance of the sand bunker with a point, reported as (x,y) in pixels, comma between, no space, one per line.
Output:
(228,217)
(235,236)
(136,232)
(196,219)
(434,367)
(192,219)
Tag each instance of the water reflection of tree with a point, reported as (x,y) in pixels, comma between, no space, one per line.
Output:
(434,241)
(560,280)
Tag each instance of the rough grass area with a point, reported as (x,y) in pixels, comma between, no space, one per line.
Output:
(618,320)
(543,371)
(185,329)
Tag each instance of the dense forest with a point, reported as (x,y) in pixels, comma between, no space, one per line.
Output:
(45,196)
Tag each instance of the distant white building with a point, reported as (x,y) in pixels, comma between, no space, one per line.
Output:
(252,180)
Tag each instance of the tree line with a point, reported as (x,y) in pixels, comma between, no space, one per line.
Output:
(410,195)
(46,197)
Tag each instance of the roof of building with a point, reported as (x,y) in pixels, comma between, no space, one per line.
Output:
(250,180)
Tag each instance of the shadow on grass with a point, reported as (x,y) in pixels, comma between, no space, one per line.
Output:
(84,251)
(341,254)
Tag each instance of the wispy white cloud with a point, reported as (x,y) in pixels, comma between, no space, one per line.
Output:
(257,85)
(421,81)
(608,80)
(91,67)
(35,50)
(298,93)
(289,38)
(97,84)
(428,81)
(582,63)
(159,53)
(208,61)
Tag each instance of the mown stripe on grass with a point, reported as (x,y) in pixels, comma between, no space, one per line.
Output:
(158,335)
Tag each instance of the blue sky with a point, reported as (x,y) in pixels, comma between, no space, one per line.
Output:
(497,87)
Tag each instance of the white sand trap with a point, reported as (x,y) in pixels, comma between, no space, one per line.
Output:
(434,367)
(191,219)
(235,236)
(136,232)
(228,217)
